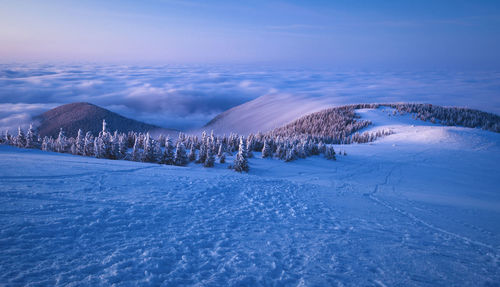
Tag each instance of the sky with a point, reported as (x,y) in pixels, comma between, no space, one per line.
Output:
(352,34)
(178,64)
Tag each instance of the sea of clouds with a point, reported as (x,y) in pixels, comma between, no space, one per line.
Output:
(187,97)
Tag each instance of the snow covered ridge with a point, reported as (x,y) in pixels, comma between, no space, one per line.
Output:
(307,136)
(336,125)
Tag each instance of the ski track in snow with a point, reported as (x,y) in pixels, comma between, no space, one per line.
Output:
(373,218)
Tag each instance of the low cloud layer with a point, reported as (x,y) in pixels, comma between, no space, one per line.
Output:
(186,97)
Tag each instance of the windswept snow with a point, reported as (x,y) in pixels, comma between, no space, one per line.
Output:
(419,207)
(265,113)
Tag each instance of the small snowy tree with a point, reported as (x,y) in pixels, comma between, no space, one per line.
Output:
(209,159)
(88,144)
(330,153)
(222,158)
(281,152)
(267,151)
(136,151)
(21,138)
(73,148)
(291,154)
(47,144)
(249,149)
(31,138)
(221,150)
(79,143)
(122,146)
(149,150)
(168,152)
(241,160)
(97,147)
(202,156)
(192,153)
(180,157)
(61,142)
(7,137)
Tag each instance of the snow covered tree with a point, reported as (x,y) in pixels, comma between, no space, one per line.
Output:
(241,160)
(88,145)
(97,147)
(31,138)
(267,151)
(136,151)
(330,153)
(79,143)
(221,150)
(21,138)
(7,138)
(104,126)
(249,148)
(168,152)
(202,156)
(47,144)
(321,147)
(122,146)
(281,152)
(61,142)
(291,154)
(222,158)
(192,153)
(209,159)
(150,151)
(180,157)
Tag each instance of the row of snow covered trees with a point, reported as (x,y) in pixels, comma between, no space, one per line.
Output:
(307,136)
(451,116)
(163,150)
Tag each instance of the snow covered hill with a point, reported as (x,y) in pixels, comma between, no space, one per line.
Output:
(419,207)
(265,113)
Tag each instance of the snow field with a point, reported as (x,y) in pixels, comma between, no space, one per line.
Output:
(417,208)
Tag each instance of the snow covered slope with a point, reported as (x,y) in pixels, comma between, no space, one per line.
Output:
(265,113)
(419,207)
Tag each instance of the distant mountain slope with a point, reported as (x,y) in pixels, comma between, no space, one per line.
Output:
(87,117)
(265,113)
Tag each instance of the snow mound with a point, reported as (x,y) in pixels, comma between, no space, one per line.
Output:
(265,113)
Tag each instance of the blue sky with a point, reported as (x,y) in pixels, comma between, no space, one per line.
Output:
(357,34)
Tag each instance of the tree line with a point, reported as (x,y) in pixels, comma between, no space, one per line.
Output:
(310,135)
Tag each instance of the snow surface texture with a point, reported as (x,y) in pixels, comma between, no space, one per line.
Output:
(265,113)
(419,207)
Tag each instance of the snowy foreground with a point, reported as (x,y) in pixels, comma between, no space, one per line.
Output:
(419,207)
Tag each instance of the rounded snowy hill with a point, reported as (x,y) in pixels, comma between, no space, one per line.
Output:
(87,117)
(264,114)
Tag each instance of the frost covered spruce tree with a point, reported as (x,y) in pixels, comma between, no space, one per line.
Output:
(241,160)
(88,144)
(21,138)
(136,150)
(79,143)
(61,144)
(152,150)
(209,159)
(192,153)
(168,153)
(180,157)
(330,153)
(267,151)
(31,138)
